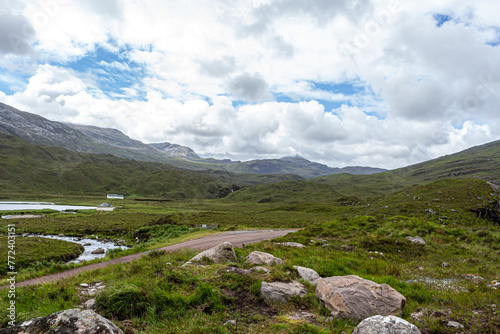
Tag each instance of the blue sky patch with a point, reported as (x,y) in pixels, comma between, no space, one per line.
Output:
(496,41)
(441,19)
(11,83)
(330,92)
(114,74)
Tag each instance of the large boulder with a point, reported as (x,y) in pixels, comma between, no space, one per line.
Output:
(385,325)
(355,298)
(307,274)
(67,321)
(221,253)
(278,292)
(263,258)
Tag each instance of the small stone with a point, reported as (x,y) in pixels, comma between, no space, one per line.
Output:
(230,323)
(308,275)
(472,277)
(347,248)
(90,304)
(454,324)
(445,264)
(98,251)
(263,258)
(417,315)
(416,240)
(430,211)
(261,269)
(290,244)
(84,285)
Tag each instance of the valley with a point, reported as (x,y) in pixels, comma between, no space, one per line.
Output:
(348,224)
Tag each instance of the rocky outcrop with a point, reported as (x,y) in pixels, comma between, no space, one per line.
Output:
(174,150)
(278,292)
(385,325)
(67,321)
(416,240)
(263,258)
(355,298)
(307,274)
(221,253)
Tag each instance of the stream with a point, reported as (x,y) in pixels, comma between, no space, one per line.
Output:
(90,245)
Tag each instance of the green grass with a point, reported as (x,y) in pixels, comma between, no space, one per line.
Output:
(27,169)
(479,162)
(461,229)
(32,252)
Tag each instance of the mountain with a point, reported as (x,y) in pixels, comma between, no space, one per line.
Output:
(80,138)
(31,169)
(175,150)
(91,139)
(295,165)
(480,162)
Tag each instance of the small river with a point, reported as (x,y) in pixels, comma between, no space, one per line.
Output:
(21,206)
(90,245)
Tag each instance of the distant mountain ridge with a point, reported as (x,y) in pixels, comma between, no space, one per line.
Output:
(92,139)
(480,162)
(175,150)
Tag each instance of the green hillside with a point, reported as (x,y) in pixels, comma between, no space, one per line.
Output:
(481,162)
(27,168)
(287,191)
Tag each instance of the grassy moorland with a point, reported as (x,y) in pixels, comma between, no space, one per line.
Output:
(30,170)
(351,225)
(31,250)
(457,218)
(480,162)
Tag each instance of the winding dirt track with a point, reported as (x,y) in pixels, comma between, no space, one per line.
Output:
(237,238)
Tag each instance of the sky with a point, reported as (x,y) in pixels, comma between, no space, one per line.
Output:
(343,82)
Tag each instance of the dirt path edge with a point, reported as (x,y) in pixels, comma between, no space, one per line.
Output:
(237,238)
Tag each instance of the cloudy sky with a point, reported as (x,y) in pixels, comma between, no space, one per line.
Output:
(343,82)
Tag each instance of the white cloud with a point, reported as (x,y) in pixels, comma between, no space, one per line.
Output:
(436,90)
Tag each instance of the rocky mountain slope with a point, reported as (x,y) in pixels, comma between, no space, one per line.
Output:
(91,139)
(175,150)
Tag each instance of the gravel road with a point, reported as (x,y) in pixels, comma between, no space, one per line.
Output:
(237,238)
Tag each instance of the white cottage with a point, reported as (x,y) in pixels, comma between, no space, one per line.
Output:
(115,196)
(105,207)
